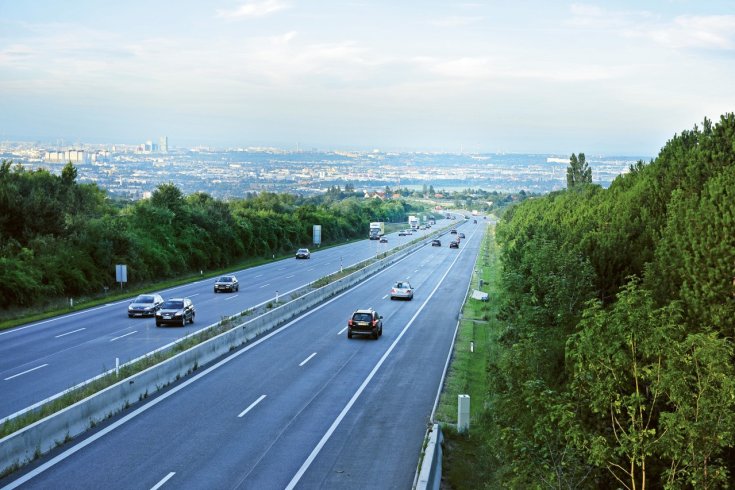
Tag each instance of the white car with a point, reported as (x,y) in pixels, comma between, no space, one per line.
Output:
(401,290)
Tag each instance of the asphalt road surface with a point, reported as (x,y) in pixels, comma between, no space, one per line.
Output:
(303,407)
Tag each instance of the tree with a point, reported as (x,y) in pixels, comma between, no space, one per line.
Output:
(578,172)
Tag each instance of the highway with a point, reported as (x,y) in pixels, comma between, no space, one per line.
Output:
(302,407)
(42,359)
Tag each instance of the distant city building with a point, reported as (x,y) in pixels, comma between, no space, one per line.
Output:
(74,156)
(163,144)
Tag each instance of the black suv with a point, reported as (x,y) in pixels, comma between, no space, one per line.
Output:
(436,243)
(176,311)
(453,244)
(366,322)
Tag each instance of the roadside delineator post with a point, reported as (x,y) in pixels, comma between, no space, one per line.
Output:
(463,413)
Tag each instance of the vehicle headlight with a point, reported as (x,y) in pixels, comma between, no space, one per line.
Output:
(178,313)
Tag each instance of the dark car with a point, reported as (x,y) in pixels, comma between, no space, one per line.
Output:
(461,235)
(145,305)
(303,253)
(383,240)
(175,311)
(365,322)
(453,244)
(226,283)
(402,233)
(436,243)
(454,231)
(475,221)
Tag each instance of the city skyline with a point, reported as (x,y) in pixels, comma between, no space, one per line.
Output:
(541,77)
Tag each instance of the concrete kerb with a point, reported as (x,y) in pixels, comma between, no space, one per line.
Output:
(25,445)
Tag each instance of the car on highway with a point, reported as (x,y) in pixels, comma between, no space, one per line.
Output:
(145,305)
(453,244)
(365,322)
(475,221)
(454,231)
(383,240)
(226,284)
(401,290)
(176,311)
(461,235)
(436,243)
(303,253)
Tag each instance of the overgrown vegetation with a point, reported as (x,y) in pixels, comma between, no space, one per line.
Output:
(614,364)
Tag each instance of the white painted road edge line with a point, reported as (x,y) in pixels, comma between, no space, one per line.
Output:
(26,372)
(307,359)
(165,479)
(129,333)
(69,333)
(252,405)
(342,331)
(343,413)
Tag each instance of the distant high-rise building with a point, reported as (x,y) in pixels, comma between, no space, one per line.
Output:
(163,144)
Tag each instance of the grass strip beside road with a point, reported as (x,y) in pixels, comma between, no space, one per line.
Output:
(479,327)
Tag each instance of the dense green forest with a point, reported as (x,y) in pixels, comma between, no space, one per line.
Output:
(618,311)
(59,238)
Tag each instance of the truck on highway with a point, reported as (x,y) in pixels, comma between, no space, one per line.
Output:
(475,212)
(377,230)
(413,222)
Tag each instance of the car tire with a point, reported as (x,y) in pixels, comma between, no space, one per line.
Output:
(215,291)
(191,320)
(380,332)
(375,334)
(130,316)
(349,333)
(183,320)
(158,324)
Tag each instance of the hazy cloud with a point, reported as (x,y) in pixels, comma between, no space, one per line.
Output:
(252,9)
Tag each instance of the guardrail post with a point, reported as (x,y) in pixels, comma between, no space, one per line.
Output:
(463,413)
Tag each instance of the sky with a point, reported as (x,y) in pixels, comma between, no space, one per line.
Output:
(609,78)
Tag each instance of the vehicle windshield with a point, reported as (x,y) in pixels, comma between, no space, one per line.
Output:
(144,299)
(302,250)
(402,285)
(225,279)
(362,317)
(173,305)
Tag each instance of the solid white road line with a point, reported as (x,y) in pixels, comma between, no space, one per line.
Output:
(129,333)
(307,359)
(342,331)
(315,452)
(385,296)
(165,479)
(252,405)
(26,372)
(231,297)
(69,333)
(264,286)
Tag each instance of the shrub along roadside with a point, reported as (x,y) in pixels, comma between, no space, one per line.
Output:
(463,466)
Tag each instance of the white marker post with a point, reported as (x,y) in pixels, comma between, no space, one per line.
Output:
(463,413)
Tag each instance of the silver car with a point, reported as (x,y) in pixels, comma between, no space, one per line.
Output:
(401,290)
(145,305)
